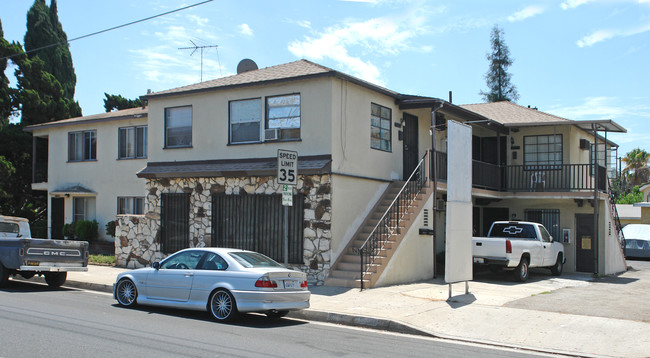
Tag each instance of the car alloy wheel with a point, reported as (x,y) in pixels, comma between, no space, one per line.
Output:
(127,293)
(222,305)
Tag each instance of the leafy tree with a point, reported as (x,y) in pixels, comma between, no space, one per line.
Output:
(498,79)
(636,166)
(43,30)
(636,196)
(117,102)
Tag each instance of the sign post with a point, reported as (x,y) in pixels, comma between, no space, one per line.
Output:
(288,178)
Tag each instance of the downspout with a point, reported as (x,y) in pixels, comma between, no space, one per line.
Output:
(596,204)
(434,180)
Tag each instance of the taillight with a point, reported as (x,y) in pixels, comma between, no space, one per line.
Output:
(303,284)
(508,247)
(264,281)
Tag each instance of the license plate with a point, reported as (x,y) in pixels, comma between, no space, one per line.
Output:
(32,263)
(478,260)
(290,284)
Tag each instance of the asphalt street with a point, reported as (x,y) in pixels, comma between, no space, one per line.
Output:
(36,321)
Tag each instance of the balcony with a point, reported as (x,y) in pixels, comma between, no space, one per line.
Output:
(527,178)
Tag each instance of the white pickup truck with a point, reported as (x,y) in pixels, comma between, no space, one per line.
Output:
(517,246)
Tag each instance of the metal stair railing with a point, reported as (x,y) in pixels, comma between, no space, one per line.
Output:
(388,225)
(617,220)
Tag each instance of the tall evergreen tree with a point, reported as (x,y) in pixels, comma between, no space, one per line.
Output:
(44,29)
(498,79)
(117,102)
(5,92)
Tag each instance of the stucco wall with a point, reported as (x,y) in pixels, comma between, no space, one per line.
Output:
(108,176)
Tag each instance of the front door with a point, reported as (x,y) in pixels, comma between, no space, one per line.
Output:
(585,237)
(410,140)
(57,209)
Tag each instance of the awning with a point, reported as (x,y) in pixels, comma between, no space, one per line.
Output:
(73,189)
(307,165)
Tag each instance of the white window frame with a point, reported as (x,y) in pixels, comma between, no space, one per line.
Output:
(288,124)
(235,113)
(82,146)
(135,141)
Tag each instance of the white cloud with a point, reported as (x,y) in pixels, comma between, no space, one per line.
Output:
(603,35)
(347,43)
(572,4)
(525,13)
(245,30)
(602,107)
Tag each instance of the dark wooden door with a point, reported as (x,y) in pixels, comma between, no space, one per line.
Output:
(410,141)
(585,245)
(57,212)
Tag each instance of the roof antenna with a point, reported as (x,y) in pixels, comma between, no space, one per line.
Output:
(196,48)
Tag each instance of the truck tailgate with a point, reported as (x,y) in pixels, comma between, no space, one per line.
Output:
(487,247)
(54,255)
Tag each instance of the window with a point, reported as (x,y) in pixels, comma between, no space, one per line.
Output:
(130,205)
(550,218)
(245,119)
(175,222)
(543,152)
(83,208)
(213,261)
(187,260)
(380,132)
(283,117)
(178,127)
(132,142)
(82,146)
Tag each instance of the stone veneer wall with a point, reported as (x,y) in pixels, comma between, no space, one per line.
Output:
(137,241)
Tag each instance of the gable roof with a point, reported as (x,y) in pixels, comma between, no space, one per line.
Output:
(123,114)
(292,71)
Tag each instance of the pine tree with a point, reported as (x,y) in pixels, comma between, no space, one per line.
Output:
(498,79)
(116,101)
(44,29)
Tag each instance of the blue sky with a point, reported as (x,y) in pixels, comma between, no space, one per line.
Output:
(579,59)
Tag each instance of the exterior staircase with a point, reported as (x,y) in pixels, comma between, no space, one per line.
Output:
(346,271)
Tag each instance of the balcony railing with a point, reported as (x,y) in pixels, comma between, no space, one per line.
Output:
(536,178)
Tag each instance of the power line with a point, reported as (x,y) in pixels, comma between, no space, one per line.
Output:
(107,30)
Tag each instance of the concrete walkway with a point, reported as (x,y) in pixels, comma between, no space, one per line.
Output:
(573,314)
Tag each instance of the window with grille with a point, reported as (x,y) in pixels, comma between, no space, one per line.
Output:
(380,131)
(550,218)
(175,222)
(543,152)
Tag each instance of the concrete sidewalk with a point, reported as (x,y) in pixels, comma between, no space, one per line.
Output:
(536,315)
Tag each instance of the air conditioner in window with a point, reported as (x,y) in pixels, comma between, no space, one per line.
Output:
(272,134)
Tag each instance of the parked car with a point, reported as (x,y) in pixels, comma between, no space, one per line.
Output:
(517,246)
(225,282)
(637,240)
(20,254)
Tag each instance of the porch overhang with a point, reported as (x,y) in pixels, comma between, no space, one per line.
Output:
(73,190)
(417,102)
(307,165)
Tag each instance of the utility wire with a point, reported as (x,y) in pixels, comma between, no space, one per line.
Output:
(107,30)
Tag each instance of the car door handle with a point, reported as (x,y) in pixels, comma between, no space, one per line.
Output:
(189,274)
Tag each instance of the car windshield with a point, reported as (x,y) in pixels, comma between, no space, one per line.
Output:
(253,259)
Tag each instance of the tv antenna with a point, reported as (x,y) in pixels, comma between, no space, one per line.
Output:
(197,48)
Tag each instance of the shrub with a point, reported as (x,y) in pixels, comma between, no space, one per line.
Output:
(68,231)
(110,228)
(87,230)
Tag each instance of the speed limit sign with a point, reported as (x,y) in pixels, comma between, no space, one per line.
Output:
(287,167)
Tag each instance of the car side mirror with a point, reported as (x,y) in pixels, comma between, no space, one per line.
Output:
(156,265)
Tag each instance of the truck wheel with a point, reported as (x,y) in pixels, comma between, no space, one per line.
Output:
(55,279)
(556,269)
(4,276)
(521,272)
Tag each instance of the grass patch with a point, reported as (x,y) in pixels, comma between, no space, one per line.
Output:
(101,259)
(541,293)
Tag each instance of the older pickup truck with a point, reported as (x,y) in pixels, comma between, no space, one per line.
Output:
(517,246)
(20,254)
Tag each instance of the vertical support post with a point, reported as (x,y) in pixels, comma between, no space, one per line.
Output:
(286,235)
(33,158)
(434,181)
(466,287)
(449,298)
(596,204)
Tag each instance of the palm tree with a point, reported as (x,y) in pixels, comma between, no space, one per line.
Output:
(636,166)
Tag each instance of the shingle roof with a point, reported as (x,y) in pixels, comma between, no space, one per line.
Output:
(509,113)
(291,70)
(318,164)
(110,116)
